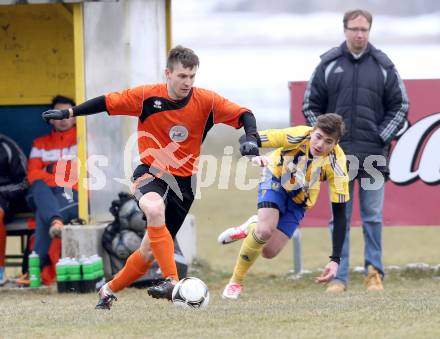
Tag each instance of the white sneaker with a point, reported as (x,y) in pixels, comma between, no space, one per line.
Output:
(106,298)
(236,233)
(232,291)
(3,278)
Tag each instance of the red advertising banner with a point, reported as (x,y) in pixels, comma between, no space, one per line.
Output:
(412,195)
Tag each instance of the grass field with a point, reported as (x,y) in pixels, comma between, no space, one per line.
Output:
(274,304)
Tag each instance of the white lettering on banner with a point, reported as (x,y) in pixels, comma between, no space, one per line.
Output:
(406,151)
(353,166)
(376,179)
(211,172)
(96,175)
(240,176)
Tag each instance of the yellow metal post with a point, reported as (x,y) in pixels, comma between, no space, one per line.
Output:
(78,39)
(169,27)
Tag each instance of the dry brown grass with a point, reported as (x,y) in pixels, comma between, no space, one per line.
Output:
(273,305)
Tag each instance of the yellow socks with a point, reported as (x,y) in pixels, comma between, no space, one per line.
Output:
(249,252)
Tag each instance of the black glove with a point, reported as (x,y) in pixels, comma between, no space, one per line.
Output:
(55,114)
(249,145)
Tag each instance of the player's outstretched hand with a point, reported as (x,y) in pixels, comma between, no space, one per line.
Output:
(248,145)
(261,161)
(55,114)
(329,273)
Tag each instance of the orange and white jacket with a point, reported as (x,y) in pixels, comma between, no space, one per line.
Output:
(53,159)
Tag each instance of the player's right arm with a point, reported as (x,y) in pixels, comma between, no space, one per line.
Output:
(229,113)
(286,137)
(261,161)
(127,102)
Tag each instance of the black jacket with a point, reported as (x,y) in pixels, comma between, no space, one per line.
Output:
(13,181)
(367,92)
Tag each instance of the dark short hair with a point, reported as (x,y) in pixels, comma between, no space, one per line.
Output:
(60,99)
(185,56)
(350,15)
(331,124)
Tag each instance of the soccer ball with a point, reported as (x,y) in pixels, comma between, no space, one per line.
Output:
(131,217)
(125,243)
(191,293)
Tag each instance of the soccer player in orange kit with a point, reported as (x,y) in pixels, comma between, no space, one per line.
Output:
(174,118)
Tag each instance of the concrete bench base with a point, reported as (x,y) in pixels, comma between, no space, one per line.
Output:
(79,240)
(86,240)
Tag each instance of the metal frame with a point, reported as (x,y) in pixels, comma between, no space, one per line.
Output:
(81,127)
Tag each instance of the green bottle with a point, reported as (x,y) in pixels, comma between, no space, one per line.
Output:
(98,265)
(74,270)
(34,270)
(88,276)
(88,267)
(62,275)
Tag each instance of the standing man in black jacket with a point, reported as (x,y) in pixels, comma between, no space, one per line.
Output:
(361,83)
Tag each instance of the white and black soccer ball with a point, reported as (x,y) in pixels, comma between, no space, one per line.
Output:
(131,216)
(125,243)
(191,293)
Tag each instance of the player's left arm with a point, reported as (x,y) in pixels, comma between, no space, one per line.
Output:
(396,106)
(231,114)
(339,230)
(249,141)
(338,237)
(335,170)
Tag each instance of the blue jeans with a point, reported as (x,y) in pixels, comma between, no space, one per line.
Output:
(371,206)
(50,203)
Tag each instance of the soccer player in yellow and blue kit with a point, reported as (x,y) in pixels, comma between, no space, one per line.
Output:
(304,157)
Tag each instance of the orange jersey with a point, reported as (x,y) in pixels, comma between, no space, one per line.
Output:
(53,159)
(170,132)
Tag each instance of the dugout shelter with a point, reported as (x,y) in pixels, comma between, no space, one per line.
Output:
(80,49)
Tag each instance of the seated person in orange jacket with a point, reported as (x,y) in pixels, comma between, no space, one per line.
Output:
(12,187)
(51,163)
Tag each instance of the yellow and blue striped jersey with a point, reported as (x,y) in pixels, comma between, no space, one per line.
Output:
(299,173)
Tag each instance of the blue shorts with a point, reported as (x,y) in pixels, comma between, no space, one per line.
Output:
(272,194)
